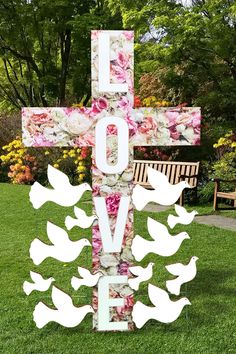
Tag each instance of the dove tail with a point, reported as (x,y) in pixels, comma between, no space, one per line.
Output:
(28,287)
(171,221)
(76,283)
(134,283)
(173,286)
(38,251)
(139,197)
(137,248)
(41,315)
(69,222)
(140,314)
(38,195)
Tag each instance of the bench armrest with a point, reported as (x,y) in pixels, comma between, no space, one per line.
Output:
(223,180)
(188,176)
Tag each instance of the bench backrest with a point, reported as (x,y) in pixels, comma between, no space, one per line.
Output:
(172,169)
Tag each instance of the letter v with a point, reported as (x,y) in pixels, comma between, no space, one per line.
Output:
(111,244)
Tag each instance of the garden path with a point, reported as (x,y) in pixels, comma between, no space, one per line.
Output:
(213,220)
(220,221)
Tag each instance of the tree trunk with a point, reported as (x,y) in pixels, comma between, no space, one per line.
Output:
(65,56)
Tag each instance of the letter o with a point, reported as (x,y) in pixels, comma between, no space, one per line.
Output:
(101,145)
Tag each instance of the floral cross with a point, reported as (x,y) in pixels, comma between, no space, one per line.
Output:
(112,143)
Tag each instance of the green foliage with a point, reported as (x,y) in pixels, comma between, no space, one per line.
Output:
(45,50)
(191,52)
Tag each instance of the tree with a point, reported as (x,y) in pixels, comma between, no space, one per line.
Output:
(45,49)
(190,50)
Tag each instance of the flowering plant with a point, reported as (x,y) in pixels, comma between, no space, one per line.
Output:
(27,164)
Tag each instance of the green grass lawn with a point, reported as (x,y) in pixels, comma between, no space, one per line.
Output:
(208,326)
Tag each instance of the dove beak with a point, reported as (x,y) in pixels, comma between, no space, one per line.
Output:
(196,212)
(189,303)
(92,310)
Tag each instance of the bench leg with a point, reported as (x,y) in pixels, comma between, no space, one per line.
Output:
(215,203)
(181,199)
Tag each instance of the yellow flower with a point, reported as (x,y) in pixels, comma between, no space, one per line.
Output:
(81,168)
(46,153)
(56,165)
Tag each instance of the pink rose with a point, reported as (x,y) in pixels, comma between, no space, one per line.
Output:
(118,73)
(96,241)
(96,190)
(129,35)
(40,140)
(99,105)
(123,268)
(174,134)
(85,140)
(129,303)
(123,59)
(133,127)
(124,104)
(196,119)
(111,129)
(172,117)
(112,203)
(147,126)
(40,116)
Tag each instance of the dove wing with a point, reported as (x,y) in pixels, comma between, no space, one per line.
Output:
(157,296)
(79,213)
(156,178)
(57,179)
(84,273)
(180,210)
(176,269)
(156,229)
(56,234)
(36,277)
(60,299)
(136,270)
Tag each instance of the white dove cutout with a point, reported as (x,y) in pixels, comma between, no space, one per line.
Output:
(164,193)
(183,217)
(62,248)
(82,220)
(165,310)
(142,274)
(163,243)
(66,314)
(40,284)
(63,194)
(185,274)
(88,279)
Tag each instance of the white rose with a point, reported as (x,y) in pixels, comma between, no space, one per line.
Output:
(110,180)
(180,128)
(127,255)
(127,176)
(105,189)
(58,115)
(189,134)
(78,124)
(108,260)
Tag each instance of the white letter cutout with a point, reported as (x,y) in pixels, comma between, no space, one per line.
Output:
(104,84)
(101,148)
(104,302)
(111,244)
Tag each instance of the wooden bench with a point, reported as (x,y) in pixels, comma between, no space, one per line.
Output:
(224,195)
(175,171)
